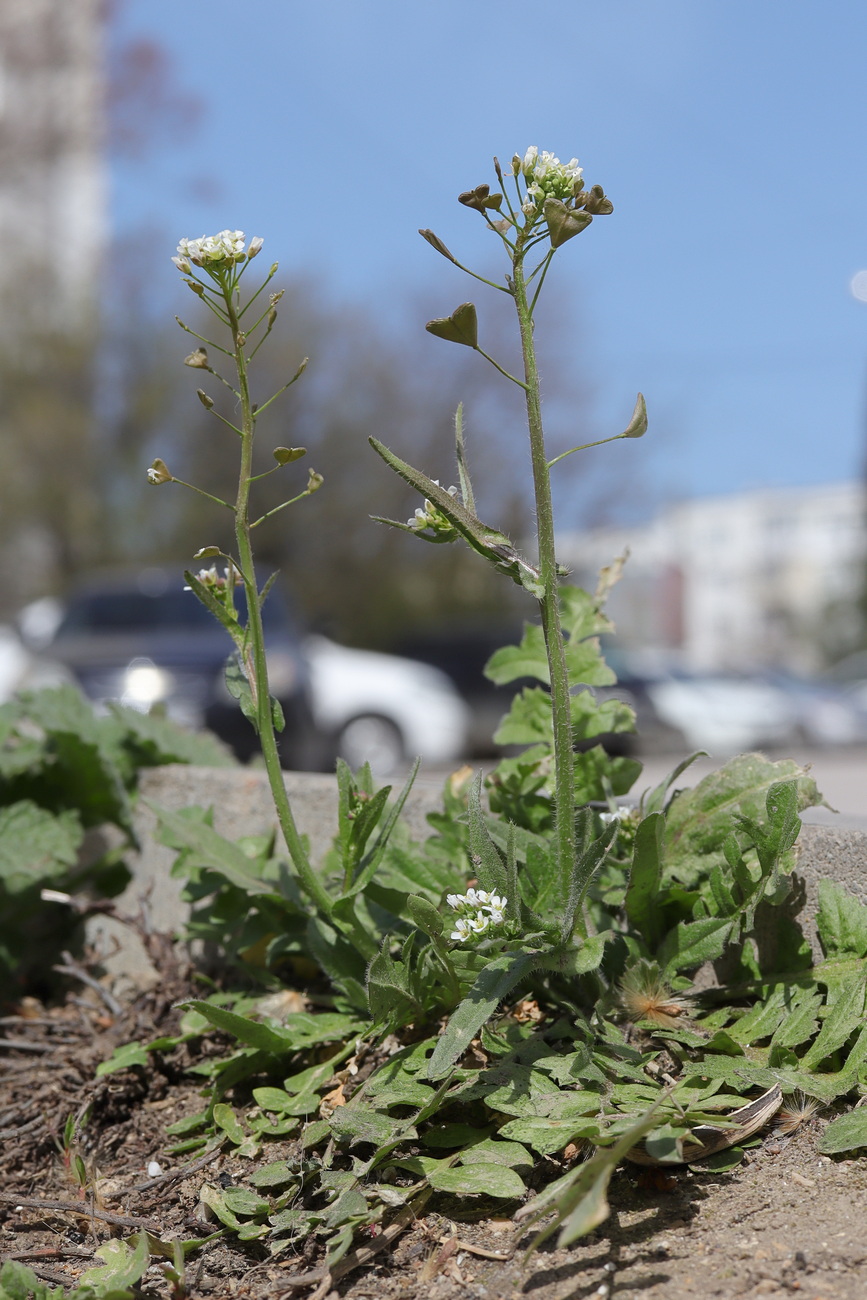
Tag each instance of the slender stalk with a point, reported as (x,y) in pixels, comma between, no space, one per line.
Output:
(564,793)
(259,676)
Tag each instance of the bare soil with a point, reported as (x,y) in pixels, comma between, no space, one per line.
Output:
(787,1223)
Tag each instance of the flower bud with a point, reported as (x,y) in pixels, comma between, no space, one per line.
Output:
(206,552)
(206,401)
(159,473)
(198,360)
(198,289)
(274,266)
(255,246)
(183,265)
(314,481)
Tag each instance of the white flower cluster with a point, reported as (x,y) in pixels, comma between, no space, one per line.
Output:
(429,516)
(216,581)
(546,178)
(480,910)
(224,249)
(621,812)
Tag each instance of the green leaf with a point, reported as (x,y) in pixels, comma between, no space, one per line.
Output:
(87,758)
(241,1201)
(239,689)
(698,821)
(276,1174)
(425,916)
(579,1199)
(493,984)
(590,954)
(362,1124)
(36,846)
(225,1119)
(581,615)
(548,1136)
(484,1179)
(590,854)
(493,545)
(846,1133)
(152,741)
(122,1266)
(215,1199)
(845,1015)
(372,860)
(763,1020)
(841,921)
(801,1019)
(388,988)
(461,327)
(207,850)
(529,719)
(691,943)
(490,865)
(19,1283)
(528,659)
(300,1029)
(642,892)
(495,1152)
(655,800)
(123,1058)
(286,1103)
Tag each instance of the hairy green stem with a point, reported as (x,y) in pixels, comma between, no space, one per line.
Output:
(549,604)
(259,676)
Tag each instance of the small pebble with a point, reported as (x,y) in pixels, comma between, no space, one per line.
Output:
(154,1169)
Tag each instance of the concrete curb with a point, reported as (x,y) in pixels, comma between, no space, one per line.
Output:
(242,805)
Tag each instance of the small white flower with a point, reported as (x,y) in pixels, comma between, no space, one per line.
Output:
(547,177)
(621,811)
(455,900)
(480,923)
(462,931)
(211,250)
(255,246)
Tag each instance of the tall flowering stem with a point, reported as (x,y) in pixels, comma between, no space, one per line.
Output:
(549,604)
(213,267)
(542,205)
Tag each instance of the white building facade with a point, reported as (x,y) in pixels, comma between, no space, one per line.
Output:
(53,178)
(735,582)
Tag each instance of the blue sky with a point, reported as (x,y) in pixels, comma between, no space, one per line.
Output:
(730,136)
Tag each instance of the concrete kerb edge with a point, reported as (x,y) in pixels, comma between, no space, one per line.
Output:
(242,805)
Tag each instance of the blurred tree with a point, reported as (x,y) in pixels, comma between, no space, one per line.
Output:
(63,436)
(357,580)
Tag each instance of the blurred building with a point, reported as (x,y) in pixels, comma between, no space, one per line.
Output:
(755,579)
(53,215)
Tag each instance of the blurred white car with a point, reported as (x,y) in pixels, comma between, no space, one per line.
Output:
(724,715)
(382,709)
